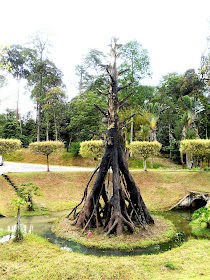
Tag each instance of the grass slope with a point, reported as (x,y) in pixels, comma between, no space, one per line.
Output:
(63,190)
(35,258)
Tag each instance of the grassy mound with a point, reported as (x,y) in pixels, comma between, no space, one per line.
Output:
(162,231)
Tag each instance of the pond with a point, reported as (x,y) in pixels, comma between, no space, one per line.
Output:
(41,225)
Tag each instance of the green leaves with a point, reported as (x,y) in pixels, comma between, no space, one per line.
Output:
(198,147)
(92,149)
(8,145)
(46,147)
(145,148)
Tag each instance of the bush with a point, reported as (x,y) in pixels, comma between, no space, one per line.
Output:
(8,145)
(145,149)
(196,147)
(92,149)
(46,148)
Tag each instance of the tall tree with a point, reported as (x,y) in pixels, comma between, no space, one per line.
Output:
(19,59)
(55,105)
(116,212)
(44,75)
(135,65)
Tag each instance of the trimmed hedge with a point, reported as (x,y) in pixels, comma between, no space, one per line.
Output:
(92,149)
(7,145)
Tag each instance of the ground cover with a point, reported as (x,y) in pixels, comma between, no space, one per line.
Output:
(35,258)
(63,190)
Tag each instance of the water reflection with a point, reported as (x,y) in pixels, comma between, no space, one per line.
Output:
(41,225)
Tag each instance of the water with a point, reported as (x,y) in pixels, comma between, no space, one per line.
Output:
(41,225)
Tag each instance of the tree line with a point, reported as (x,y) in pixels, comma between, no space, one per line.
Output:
(177,109)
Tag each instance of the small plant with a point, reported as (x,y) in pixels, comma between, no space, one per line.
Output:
(170,265)
(202,215)
(17,203)
(28,191)
(25,194)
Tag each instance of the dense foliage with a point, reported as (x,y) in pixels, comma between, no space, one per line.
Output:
(177,109)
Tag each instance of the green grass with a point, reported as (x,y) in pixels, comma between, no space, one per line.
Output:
(63,190)
(199,229)
(4,232)
(35,258)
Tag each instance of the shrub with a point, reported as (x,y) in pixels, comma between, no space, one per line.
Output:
(46,148)
(196,147)
(75,146)
(92,149)
(145,149)
(8,145)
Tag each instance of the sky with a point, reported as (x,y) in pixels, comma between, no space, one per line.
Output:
(174,33)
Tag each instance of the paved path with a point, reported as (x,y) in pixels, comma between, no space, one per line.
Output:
(27,167)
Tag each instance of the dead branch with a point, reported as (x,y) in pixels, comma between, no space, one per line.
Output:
(124,99)
(120,88)
(97,134)
(123,104)
(123,71)
(126,119)
(101,92)
(102,111)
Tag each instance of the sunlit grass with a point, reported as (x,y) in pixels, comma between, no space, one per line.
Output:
(35,258)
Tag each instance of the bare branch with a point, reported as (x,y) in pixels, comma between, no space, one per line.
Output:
(121,105)
(97,134)
(101,92)
(127,118)
(102,111)
(123,100)
(123,71)
(120,88)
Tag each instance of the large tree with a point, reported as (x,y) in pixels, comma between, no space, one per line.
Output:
(126,206)
(44,75)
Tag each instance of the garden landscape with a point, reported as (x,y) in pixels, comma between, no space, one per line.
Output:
(136,202)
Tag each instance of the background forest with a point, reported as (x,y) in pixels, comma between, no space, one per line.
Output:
(178,108)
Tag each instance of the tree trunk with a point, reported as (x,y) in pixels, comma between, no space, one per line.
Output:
(18,233)
(188,160)
(125,207)
(38,121)
(48,168)
(131,136)
(47,130)
(56,129)
(145,164)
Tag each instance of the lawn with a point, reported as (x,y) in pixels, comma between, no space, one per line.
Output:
(63,190)
(36,258)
